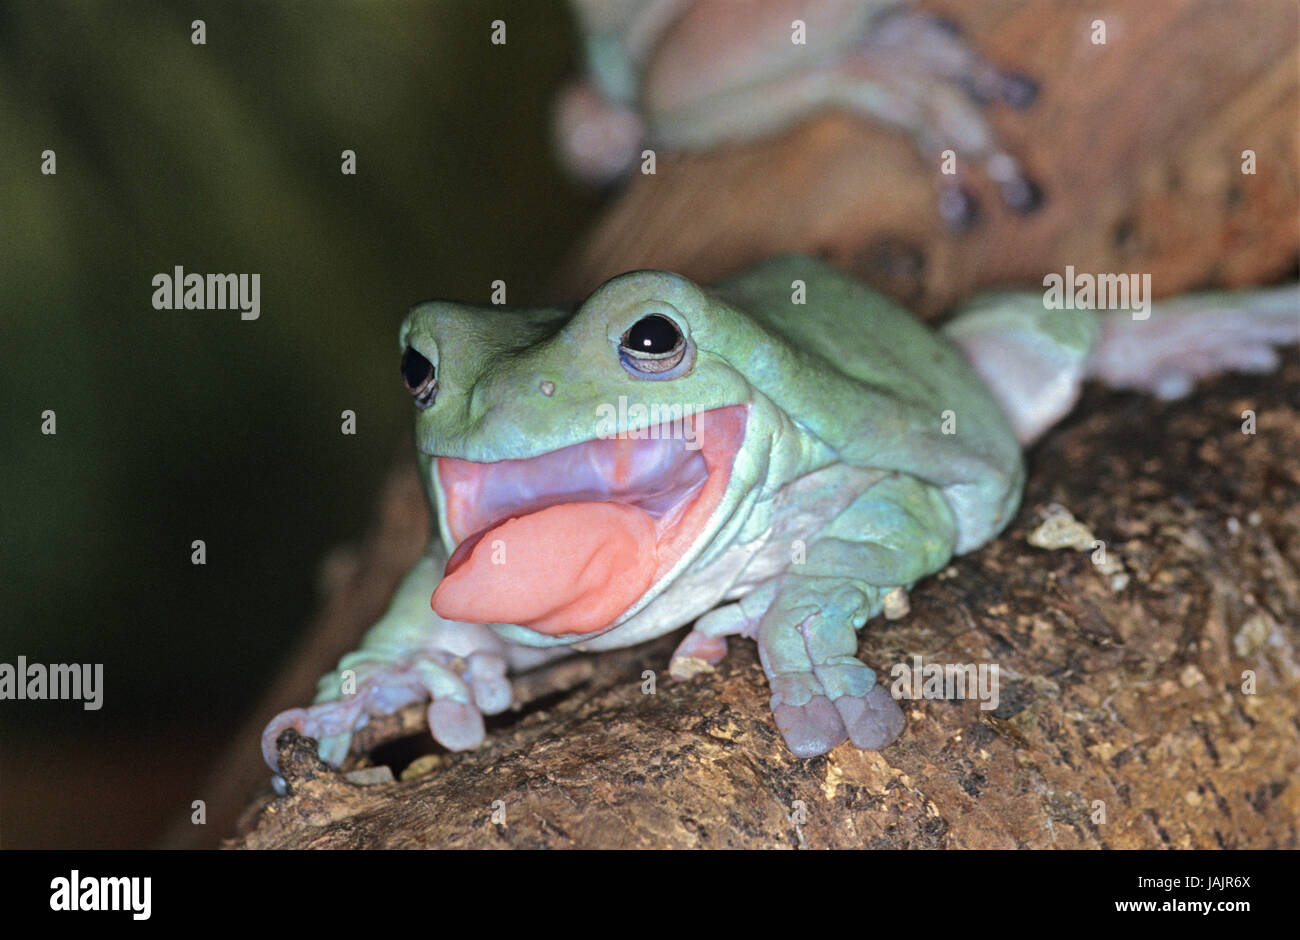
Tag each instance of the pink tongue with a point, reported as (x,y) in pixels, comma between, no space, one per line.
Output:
(571,568)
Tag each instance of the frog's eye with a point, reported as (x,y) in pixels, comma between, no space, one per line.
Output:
(420,377)
(652,346)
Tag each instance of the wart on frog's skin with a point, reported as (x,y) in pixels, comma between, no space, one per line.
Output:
(816,424)
(700,74)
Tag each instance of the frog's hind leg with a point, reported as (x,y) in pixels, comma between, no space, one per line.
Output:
(821,692)
(1032,358)
(1166,348)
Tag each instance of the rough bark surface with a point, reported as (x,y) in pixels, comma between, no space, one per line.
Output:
(1128,701)
(1131,697)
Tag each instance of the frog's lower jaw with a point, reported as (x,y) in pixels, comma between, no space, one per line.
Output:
(565,543)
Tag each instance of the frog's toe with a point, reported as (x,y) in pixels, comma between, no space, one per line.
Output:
(457,726)
(293,718)
(333,748)
(1022,195)
(493,695)
(1019,193)
(958,209)
(810,729)
(873,720)
(697,653)
(599,140)
(331,722)
(486,675)
(1017,90)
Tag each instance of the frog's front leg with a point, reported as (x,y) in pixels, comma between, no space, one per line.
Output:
(410,655)
(896,532)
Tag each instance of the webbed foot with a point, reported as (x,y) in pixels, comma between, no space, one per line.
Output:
(1180,340)
(813,722)
(810,729)
(460,691)
(873,720)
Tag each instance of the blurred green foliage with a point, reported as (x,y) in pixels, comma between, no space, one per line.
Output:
(183,425)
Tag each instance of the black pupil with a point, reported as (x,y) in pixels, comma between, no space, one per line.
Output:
(653,334)
(415,369)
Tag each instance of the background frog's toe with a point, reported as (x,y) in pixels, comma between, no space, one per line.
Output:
(812,728)
(958,208)
(873,720)
(1017,89)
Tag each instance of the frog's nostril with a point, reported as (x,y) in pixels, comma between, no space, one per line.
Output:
(420,377)
(416,370)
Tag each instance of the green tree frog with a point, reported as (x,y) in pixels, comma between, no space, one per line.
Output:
(776,457)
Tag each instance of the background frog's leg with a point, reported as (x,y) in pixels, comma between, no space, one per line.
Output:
(928,80)
(935,44)
(1032,359)
(1195,335)
(409,655)
(896,65)
(707,644)
(895,533)
(598,140)
(913,73)
(598,128)
(886,85)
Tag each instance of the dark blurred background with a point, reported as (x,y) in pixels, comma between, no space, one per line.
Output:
(183,425)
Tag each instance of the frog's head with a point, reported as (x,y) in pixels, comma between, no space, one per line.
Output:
(579,461)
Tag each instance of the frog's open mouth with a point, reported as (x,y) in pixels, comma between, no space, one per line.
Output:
(565,542)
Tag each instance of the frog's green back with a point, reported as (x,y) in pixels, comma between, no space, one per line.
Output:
(876,385)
